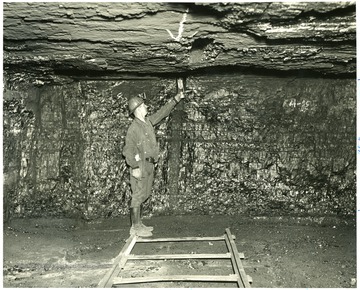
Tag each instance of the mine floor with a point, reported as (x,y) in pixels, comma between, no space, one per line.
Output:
(303,252)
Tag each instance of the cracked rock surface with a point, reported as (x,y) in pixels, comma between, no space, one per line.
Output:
(46,40)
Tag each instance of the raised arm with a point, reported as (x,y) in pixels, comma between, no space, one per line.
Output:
(165,110)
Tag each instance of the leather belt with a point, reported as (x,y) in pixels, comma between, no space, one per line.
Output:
(150,160)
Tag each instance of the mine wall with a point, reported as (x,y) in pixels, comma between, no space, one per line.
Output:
(239,143)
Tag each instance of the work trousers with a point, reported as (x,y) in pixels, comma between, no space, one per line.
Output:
(141,188)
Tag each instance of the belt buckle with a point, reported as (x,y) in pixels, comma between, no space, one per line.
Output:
(150,160)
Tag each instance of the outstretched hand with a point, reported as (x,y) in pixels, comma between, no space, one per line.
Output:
(180,84)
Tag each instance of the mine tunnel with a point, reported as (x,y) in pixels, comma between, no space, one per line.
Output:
(261,140)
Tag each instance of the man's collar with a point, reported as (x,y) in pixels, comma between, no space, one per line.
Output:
(138,120)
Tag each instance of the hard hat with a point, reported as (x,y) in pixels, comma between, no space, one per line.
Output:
(135,102)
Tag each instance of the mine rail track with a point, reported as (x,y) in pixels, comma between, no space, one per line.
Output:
(112,278)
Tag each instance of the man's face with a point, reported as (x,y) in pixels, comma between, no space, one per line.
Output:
(143,109)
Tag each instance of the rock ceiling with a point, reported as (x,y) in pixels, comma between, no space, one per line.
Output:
(49,40)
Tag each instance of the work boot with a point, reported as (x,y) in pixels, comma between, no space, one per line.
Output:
(139,231)
(146,227)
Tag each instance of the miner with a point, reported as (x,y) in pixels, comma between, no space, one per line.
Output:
(141,152)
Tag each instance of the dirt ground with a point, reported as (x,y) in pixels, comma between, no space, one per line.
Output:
(303,252)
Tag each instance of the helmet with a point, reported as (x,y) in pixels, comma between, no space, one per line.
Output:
(135,102)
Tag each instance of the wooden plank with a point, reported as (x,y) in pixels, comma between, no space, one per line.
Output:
(237,260)
(180,239)
(233,264)
(179,256)
(240,277)
(119,262)
(199,278)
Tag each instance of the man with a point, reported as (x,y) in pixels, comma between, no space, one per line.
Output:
(142,152)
